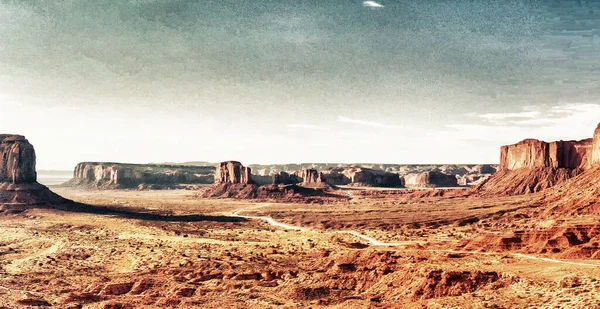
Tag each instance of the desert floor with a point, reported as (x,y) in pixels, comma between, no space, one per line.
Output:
(161,249)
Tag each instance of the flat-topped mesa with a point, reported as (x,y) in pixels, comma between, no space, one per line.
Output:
(109,175)
(532,153)
(430,180)
(233,172)
(595,157)
(311,176)
(17,160)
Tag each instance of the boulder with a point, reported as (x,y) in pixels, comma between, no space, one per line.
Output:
(233,172)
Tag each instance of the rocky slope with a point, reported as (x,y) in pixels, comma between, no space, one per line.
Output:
(107,175)
(18,177)
(532,165)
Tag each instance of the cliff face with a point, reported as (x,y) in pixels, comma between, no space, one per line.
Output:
(17,160)
(118,175)
(430,179)
(532,165)
(532,153)
(233,172)
(595,157)
(311,176)
(18,177)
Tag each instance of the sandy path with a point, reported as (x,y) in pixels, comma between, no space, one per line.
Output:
(15,266)
(374,242)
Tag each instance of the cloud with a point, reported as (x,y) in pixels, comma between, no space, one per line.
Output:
(367,123)
(503,116)
(372,4)
(306,126)
(559,122)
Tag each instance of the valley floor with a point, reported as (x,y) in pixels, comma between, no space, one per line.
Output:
(162,249)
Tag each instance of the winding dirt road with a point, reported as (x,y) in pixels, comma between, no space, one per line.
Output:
(374,242)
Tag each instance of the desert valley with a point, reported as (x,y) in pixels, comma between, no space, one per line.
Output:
(522,234)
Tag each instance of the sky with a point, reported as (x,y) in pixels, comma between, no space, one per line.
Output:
(266,81)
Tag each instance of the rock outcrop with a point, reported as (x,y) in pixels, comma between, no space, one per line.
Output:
(532,153)
(532,165)
(310,176)
(283,178)
(366,177)
(430,180)
(18,177)
(233,172)
(595,159)
(106,175)
(17,157)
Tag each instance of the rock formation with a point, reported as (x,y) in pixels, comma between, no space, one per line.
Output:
(310,176)
(532,153)
(372,178)
(283,178)
(18,177)
(18,160)
(127,176)
(532,165)
(595,160)
(430,180)
(233,172)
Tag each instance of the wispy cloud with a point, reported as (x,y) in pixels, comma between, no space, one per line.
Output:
(306,126)
(565,121)
(367,123)
(372,4)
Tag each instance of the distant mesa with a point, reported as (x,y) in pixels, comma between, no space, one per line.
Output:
(18,177)
(532,165)
(311,177)
(233,172)
(107,175)
(430,180)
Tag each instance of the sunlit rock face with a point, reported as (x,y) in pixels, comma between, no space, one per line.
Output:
(532,153)
(233,172)
(18,178)
(17,160)
(310,176)
(430,179)
(596,147)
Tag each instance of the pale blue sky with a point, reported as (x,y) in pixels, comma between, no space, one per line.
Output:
(295,81)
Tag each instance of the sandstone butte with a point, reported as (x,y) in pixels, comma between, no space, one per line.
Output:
(311,176)
(18,177)
(233,172)
(107,175)
(533,165)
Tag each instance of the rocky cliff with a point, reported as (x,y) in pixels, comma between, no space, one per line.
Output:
(430,180)
(595,157)
(233,172)
(18,177)
(532,153)
(310,176)
(17,157)
(126,176)
(532,165)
